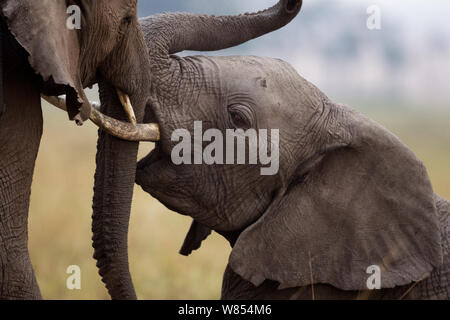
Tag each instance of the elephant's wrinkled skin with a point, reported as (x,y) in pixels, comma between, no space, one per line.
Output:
(348,195)
(42,56)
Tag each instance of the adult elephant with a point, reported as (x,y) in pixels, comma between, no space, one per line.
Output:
(344,197)
(42,55)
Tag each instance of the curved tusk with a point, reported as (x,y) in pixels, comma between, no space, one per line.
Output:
(126,131)
(126,103)
(122,130)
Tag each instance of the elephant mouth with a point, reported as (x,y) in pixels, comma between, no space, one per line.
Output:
(153,174)
(155,156)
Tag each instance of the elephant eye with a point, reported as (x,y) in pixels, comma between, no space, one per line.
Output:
(238,117)
(127,19)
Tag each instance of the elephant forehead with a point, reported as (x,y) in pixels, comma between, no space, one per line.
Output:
(119,5)
(272,83)
(259,74)
(250,68)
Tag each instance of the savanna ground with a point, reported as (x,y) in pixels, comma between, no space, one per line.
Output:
(60,214)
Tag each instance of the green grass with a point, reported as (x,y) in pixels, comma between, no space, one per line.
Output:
(60,213)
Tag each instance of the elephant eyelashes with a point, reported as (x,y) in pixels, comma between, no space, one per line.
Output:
(240,117)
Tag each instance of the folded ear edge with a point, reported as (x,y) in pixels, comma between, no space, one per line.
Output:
(49,58)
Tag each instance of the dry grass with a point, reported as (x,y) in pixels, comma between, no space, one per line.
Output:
(61,208)
(60,227)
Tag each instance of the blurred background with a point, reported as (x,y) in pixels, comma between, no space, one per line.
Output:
(398,75)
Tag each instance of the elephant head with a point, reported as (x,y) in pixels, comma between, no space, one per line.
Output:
(347,193)
(107,47)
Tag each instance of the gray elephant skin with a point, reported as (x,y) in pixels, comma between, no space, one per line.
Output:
(348,194)
(40,55)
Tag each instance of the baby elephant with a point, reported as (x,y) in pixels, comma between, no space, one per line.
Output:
(348,211)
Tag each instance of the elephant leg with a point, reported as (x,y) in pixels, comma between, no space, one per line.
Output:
(20,134)
(2,105)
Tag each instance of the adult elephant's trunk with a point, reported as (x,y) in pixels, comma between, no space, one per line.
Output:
(113,192)
(2,105)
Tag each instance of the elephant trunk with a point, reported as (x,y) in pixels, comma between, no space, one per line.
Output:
(174,32)
(113,192)
(2,105)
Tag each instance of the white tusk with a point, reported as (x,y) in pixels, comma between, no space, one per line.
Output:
(126,103)
(60,102)
(122,130)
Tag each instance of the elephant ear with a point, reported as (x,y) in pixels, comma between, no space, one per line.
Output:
(367,204)
(53,49)
(193,241)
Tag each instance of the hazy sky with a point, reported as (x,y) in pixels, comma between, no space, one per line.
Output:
(411,13)
(433,11)
(408,59)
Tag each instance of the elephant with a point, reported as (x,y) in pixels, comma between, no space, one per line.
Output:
(43,55)
(350,212)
